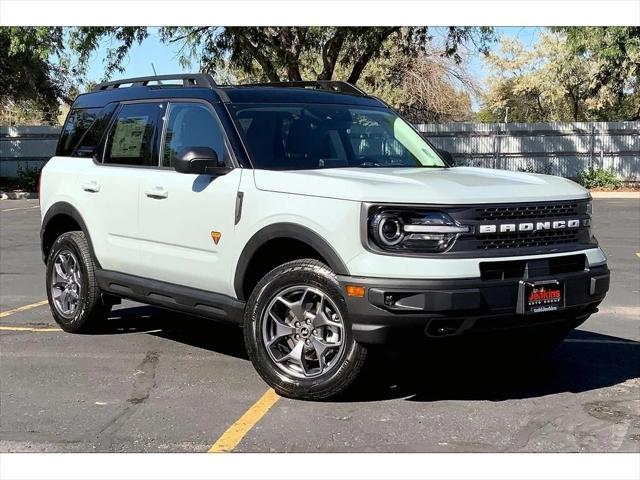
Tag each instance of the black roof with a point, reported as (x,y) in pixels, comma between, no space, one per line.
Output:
(104,97)
(267,94)
(202,86)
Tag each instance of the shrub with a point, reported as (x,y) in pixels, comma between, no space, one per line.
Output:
(27,178)
(599,178)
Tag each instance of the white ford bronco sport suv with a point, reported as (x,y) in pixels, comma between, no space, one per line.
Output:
(311,214)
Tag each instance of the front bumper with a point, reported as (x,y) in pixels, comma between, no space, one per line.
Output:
(441,308)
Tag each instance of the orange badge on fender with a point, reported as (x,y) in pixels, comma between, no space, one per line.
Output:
(216,237)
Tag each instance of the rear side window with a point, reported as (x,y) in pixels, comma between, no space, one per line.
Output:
(77,124)
(133,135)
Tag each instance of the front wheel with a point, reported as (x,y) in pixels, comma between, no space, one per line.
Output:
(297,332)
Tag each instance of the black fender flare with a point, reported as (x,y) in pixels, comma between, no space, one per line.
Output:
(64,208)
(289,231)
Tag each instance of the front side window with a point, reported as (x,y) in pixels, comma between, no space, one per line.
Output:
(132,138)
(312,136)
(191,125)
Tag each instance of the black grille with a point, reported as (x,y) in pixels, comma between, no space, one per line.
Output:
(527,240)
(513,212)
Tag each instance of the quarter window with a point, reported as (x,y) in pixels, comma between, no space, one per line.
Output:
(87,145)
(133,135)
(77,124)
(191,125)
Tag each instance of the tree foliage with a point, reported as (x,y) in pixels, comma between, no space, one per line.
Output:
(429,87)
(282,53)
(572,73)
(399,64)
(561,80)
(35,71)
(614,52)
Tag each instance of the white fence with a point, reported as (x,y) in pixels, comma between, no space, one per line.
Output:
(563,149)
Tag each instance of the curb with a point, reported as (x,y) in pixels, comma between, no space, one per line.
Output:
(18,195)
(615,195)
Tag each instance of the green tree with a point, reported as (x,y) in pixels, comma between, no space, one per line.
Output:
(551,82)
(615,54)
(398,64)
(35,73)
(281,53)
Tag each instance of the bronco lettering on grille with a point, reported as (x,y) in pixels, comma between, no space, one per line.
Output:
(528,226)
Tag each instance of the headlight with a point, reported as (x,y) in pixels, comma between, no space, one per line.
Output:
(413,230)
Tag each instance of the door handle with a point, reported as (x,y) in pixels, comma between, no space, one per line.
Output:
(157,192)
(91,186)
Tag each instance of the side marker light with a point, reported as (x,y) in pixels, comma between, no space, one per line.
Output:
(355,291)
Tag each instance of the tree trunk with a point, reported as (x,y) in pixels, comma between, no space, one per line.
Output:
(295,44)
(371,49)
(330,51)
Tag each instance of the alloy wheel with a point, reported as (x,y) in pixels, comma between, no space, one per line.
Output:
(303,331)
(66,283)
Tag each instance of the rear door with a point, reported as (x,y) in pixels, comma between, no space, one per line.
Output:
(111,183)
(187,221)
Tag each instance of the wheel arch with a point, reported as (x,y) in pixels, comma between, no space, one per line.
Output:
(283,232)
(62,217)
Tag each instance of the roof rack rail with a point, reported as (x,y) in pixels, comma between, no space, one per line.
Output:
(331,85)
(188,80)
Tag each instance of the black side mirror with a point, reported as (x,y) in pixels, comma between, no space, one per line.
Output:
(448,158)
(201,160)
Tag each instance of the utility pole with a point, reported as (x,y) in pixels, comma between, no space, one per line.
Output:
(506,115)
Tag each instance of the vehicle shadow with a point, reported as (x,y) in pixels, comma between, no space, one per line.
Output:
(190,330)
(584,361)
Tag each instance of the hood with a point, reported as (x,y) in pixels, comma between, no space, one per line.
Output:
(460,185)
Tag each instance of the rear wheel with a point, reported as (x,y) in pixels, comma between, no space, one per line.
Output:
(297,332)
(72,288)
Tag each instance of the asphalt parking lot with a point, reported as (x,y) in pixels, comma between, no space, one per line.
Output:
(156,381)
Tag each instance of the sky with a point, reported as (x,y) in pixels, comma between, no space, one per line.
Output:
(165,57)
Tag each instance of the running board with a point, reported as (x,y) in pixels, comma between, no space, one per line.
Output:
(171,296)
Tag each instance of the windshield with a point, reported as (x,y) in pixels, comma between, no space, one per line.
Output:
(312,136)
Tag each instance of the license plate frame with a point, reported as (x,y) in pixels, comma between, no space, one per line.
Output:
(541,296)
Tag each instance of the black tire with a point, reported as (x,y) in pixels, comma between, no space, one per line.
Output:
(89,311)
(346,364)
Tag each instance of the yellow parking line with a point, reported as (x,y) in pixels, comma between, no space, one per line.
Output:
(22,309)
(28,329)
(236,432)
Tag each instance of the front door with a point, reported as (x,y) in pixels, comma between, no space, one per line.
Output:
(187,221)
